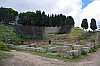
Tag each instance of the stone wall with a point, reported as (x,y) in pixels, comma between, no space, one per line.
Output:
(50,32)
(45,32)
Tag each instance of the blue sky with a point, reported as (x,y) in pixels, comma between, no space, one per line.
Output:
(85,3)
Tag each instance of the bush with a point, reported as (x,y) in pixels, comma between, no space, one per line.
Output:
(98,46)
(93,49)
(4,47)
(70,48)
(84,53)
(75,56)
(54,51)
(90,51)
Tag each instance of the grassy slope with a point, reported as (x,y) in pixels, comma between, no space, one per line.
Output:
(7,32)
(76,32)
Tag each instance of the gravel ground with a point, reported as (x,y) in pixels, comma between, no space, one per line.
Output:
(26,59)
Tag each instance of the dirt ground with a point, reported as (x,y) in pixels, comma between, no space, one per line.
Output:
(26,59)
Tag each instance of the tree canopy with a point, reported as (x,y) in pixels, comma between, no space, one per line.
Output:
(70,21)
(39,18)
(84,24)
(7,14)
(93,25)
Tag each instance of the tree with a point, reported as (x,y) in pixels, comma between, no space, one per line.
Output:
(7,14)
(27,18)
(93,25)
(70,21)
(84,24)
(38,18)
(41,19)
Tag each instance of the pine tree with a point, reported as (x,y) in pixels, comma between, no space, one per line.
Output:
(93,25)
(70,21)
(84,24)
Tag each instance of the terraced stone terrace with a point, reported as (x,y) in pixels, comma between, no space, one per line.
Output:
(62,49)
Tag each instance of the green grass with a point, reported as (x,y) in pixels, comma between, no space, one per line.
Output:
(47,55)
(7,32)
(76,32)
(5,55)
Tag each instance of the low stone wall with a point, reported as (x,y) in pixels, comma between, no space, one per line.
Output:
(51,31)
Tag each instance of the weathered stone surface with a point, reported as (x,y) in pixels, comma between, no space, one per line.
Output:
(78,47)
(86,49)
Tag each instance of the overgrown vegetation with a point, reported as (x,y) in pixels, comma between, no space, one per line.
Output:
(76,32)
(4,47)
(7,33)
(83,52)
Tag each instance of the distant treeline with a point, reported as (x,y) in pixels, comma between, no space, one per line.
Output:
(7,14)
(37,18)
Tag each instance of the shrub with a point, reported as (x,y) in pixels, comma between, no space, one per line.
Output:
(54,51)
(75,56)
(93,49)
(4,47)
(90,51)
(84,53)
(99,46)
(70,48)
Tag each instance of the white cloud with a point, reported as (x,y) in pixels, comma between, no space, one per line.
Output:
(66,7)
(91,11)
(30,5)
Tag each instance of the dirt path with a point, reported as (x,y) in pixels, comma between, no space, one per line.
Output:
(26,59)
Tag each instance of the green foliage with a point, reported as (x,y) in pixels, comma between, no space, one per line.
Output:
(93,25)
(54,51)
(7,32)
(41,19)
(70,21)
(4,47)
(93,49)
(7,14)
(75,56)
(83,52)
(26,18)
(90,51)
(84,24)
(70,48)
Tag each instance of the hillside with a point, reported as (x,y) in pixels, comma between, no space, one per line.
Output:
(7,33)
(76,32)
(76,35)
